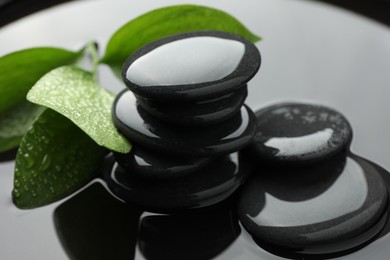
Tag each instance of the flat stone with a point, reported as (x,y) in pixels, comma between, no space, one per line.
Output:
(146,130)
(197,113)
(195,235)
(325,208)
(158,166)
(191,66)
(208,186)
(297,133)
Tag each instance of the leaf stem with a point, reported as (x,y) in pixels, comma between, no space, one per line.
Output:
(92,49)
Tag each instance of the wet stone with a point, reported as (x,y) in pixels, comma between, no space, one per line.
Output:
(208,186)
(142,128)
(191,66)
(296,133)
(157,166)
(197,113)
(327,208)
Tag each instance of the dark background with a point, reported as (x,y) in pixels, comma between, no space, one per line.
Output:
(11,10)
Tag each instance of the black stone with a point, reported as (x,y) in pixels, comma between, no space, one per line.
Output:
(325,208)
(197,113)
(158,166)
(295,133)
(191,66)
(146,130)
(208,186)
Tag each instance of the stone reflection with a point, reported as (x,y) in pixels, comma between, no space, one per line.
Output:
(197,235)
(95,225)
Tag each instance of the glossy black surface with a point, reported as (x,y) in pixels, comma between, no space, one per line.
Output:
(368,6)
(158,166)
(193,66)
(298,133)
(208,186)
(324,208)
(197,113)
(95,225)
(193,235)
(142,128)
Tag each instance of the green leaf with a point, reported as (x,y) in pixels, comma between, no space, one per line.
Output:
(15,123)
(54,159)
(75,94)
(167,21)
(18,73)
(21,69)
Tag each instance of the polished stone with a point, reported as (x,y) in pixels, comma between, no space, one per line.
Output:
(158,166)
(297,133)
(146,130)
(195,235)
(208,186)
(197,113)
(191,66)
(323,208)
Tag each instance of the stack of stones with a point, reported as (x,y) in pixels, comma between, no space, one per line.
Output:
(184,113)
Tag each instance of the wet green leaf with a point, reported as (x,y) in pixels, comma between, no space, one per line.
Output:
(15,123)
(75,94)
(54,159)
(18,73)
(167,21)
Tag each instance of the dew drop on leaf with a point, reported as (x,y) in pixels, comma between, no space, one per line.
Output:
(28,160)
(16,193)
(46,162)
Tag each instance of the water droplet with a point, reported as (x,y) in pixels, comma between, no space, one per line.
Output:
(25,187)
(29,146)
(16,183)
(52,189)
(16,193)
(45,140)
(46,162)
(58,168)
(28,161)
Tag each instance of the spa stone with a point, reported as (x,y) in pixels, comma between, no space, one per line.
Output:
(324,208)
(208,186)
(197,113)
(296,133)
(158,166)
(191,66)
(144,129)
